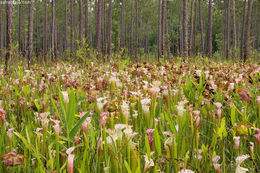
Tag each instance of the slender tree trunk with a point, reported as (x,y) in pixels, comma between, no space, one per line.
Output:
(163,26)
(191,27)
(201,28)
(132,29)
(123,24)
(86,20)
(254,37)
(248,24)
(136,29)
(185,28)
(159,31)
(80,22)
(242,31)
(210,29)
(98,29)
(19,27)
(103,20)
(234,29)
(195,28)
(146,35)
(104,35)
(258,41)
(45,41)
(9,28)
(53,41)
(228,30)
(109,48)
(1,39)
(66,27)
(71,27)
(224,35)
(30,34)
(168,40)
(181,36)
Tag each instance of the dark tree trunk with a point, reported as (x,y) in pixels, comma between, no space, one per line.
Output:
(191,27)
(80,22)
(243,31)
(136,29)
(71,27)
(53,41)
(19,27)
(210,29)
(45,41)
(103,21)
(146,35)
(248,24)
(9,27)
(181,36)
(132,30)
(66,27)
(163,13)
(1,39)
(224,35)
(254,37)
(234,29)
(109,39)
(228,30)
(185,28)
(98,29)
(123,24)
(159,31)
(195,28)
(201,28)
(30,34)
(168,40)
(86,20)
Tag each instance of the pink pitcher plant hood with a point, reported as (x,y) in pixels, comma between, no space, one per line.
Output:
(13,158)
(70,159)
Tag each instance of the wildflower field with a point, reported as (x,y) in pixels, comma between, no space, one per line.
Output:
(131,118)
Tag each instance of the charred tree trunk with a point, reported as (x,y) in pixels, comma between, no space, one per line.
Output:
(185,28)
(195,28)
(248,24)
(234,29)
(243,31)
(132,30)
(201,28)
(1,39)
(30,34)
(71,27)
(163,14)
(210,29)
(123,25)
(19,27)
(80,23)
(136,29)
(9,28)
(98,29)
(45,41)
(159,31)
(109,39)
(254,27)
(191,27)
(228,30)
(66,28)
(86,20)
(54,48)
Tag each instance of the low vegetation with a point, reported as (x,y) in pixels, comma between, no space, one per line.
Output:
(131,117)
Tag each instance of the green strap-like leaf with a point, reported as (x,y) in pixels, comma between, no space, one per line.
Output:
(78,125)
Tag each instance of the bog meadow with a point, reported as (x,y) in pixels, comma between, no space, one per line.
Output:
(129,86)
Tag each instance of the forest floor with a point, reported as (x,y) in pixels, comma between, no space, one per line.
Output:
(129,117)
